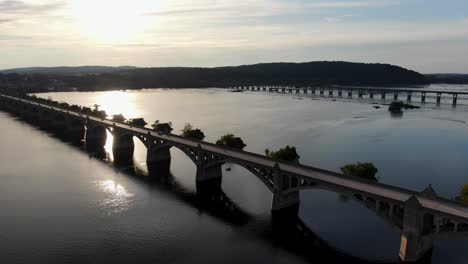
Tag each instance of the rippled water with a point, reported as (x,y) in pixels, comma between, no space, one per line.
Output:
(62,206)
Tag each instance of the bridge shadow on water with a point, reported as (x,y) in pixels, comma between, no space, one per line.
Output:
(292,235)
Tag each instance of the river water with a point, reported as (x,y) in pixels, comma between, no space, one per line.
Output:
(61,206)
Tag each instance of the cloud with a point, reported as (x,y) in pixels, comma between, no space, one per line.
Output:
(229,9)
(6,20)
(21,7)
(13,37)
(186,11)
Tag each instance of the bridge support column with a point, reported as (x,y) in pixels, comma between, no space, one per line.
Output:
(75,131)
(414,247)
(455,96)
(96,137)
(209,177)
(46,120)
(158,160)
(285,205)
(439,97)
(123,148)
(423,97)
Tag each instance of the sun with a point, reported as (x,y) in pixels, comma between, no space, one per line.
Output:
(112,21)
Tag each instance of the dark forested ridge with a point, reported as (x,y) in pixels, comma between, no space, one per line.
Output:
(447,78)
(298,74)
(80,70)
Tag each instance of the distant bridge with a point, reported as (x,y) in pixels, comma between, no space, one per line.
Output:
(363,93)
(421,217)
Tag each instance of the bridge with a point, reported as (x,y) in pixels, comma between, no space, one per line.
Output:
(420,216)
(363,93)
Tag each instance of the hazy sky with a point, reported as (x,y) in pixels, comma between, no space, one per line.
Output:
(425,35)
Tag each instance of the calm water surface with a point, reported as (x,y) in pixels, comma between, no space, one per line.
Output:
(59,205)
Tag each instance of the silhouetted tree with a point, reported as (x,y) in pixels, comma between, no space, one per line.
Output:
(287,154)
(118,118)
(361,170)
(230,141)
(139,122)
(162,127)
(192,133)
(463,194)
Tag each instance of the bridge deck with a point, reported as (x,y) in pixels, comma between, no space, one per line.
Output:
(398,195)
(375,89)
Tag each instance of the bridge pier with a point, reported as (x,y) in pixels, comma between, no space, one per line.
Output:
(45,120)
(96,137)
(158,160)
(209,177)
(285,205)
(75,131)
(455,96)
(209,172)
(123,148)
(59,125)
(415,247)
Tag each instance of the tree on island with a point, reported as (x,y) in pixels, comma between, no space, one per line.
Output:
(118,118)
(99,113)
(287,154)
(397,106)
(138,122)
(162,127)
(192,133)
(231,141)
(361,170)
(87,110)
(463,194)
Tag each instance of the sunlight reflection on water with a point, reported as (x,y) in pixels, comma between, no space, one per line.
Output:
(117,198)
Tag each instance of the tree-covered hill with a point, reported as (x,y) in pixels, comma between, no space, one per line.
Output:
(298,74)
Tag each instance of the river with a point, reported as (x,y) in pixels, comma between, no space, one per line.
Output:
(61,206)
